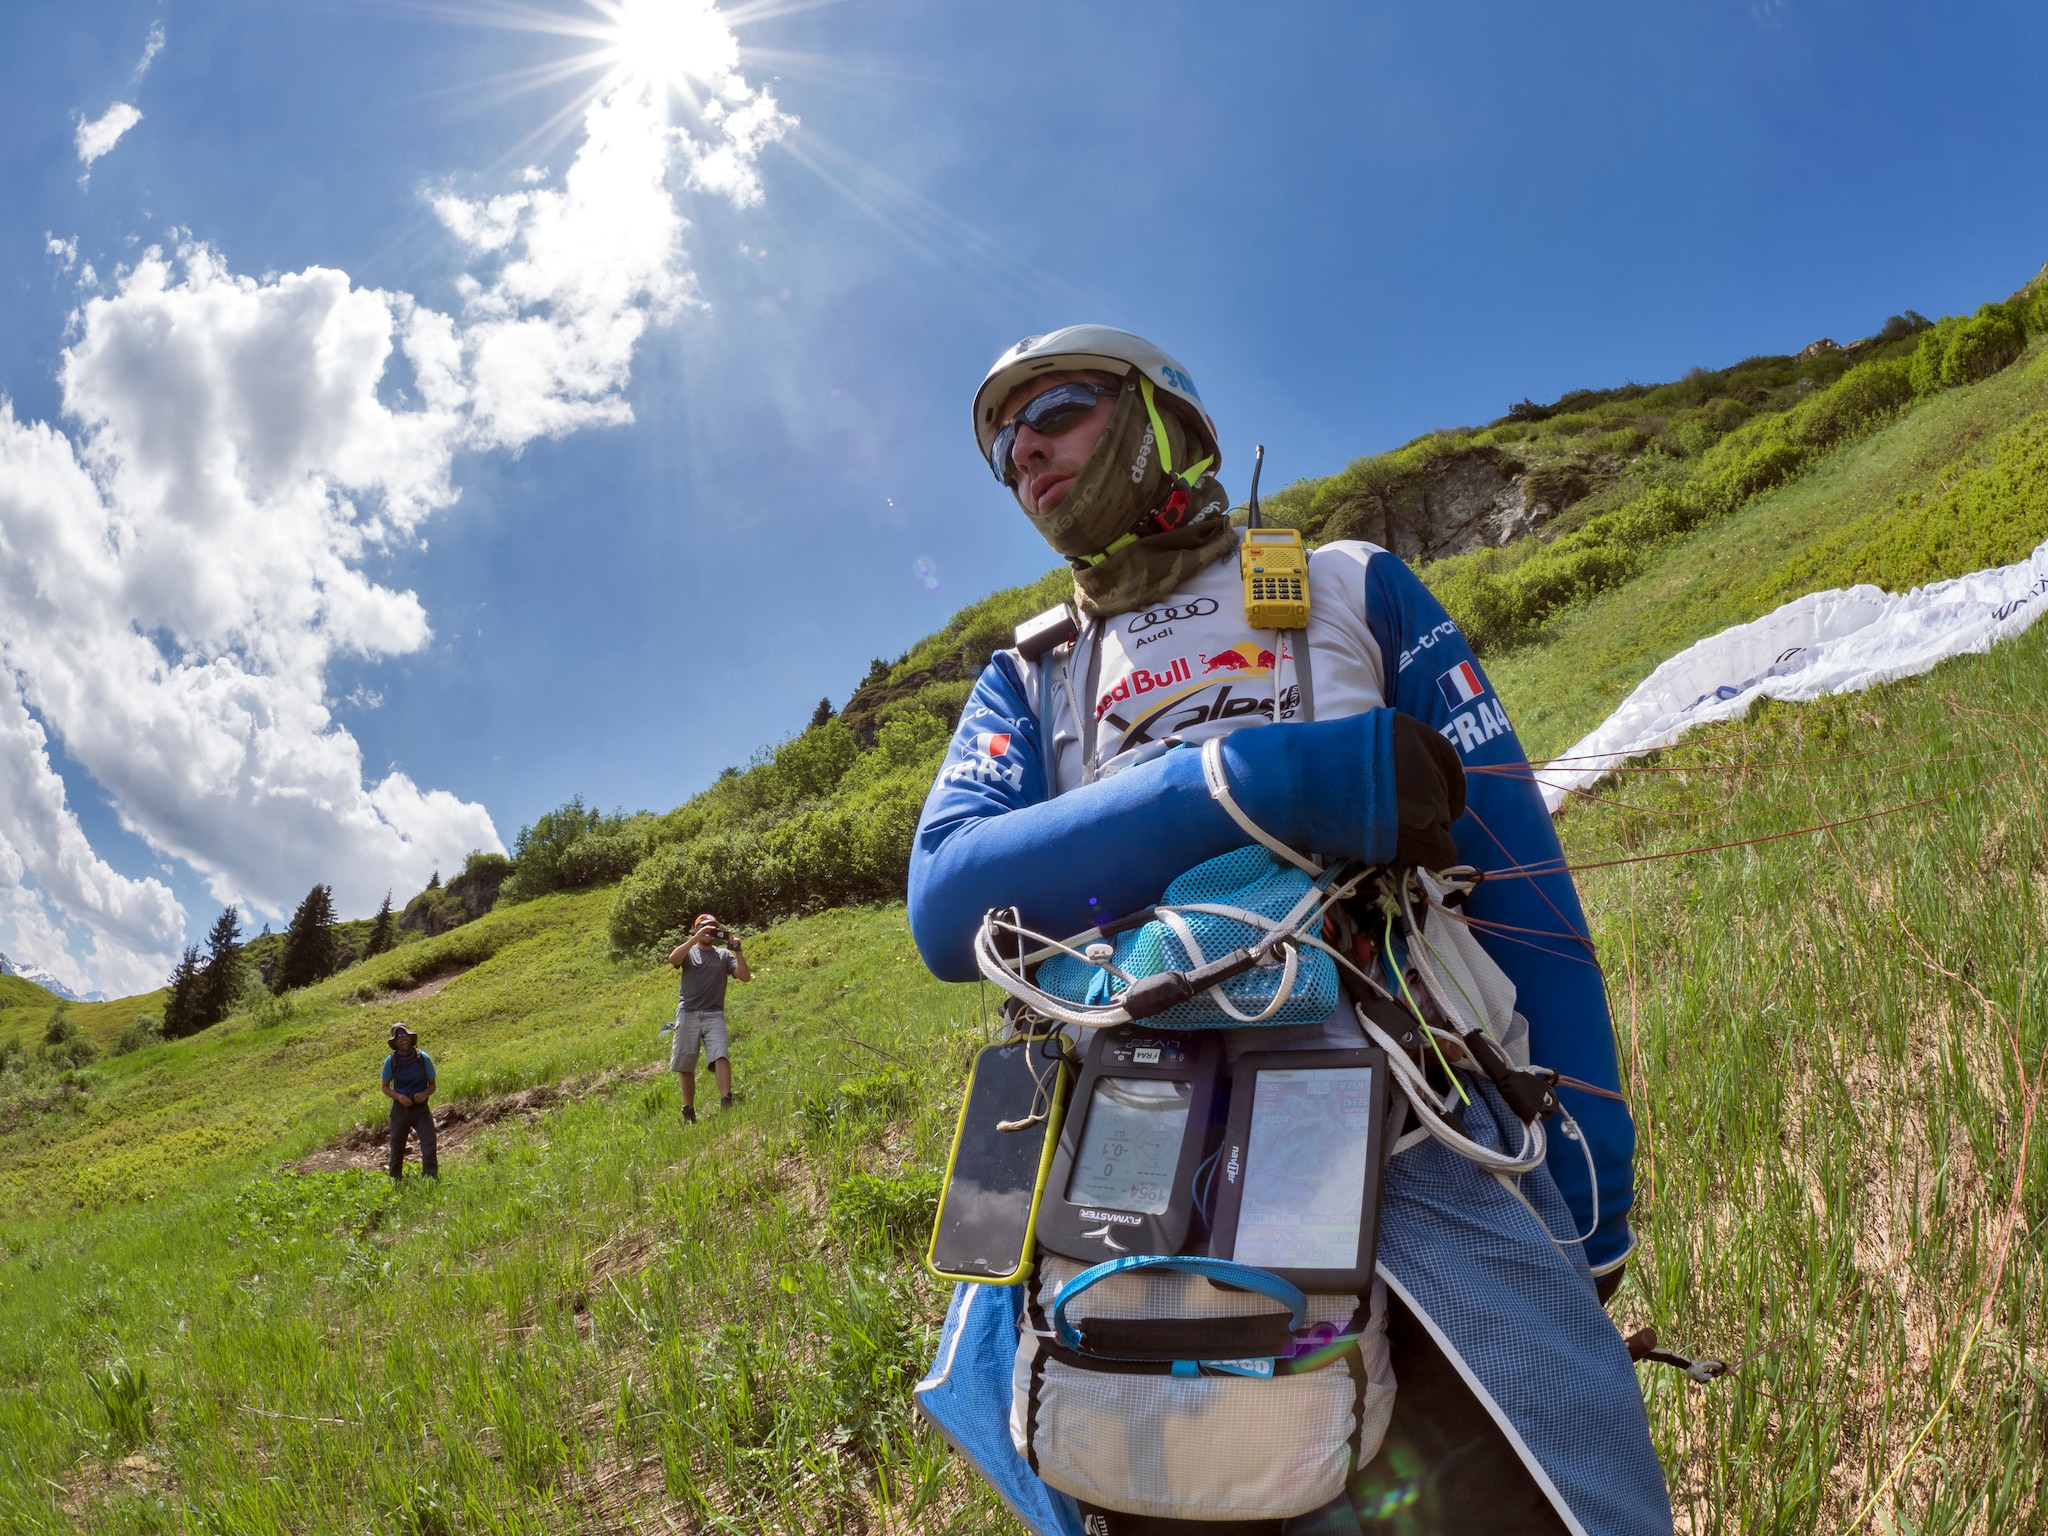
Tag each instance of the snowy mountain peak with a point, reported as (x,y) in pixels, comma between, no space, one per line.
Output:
(36,975)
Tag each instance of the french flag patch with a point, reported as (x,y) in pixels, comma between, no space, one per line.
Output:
(993,743)
(1461,685)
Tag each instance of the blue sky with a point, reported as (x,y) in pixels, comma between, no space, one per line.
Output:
(1353,223)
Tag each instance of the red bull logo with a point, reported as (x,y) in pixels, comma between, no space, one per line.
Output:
(1248,657)
(1143,681)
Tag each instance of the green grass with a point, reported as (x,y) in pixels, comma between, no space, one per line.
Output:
(596,1312)
(1842,522)
(1835,1045)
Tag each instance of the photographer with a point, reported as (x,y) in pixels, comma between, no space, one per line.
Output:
(700,1009)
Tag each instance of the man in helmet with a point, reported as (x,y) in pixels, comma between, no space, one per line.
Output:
(1064,797)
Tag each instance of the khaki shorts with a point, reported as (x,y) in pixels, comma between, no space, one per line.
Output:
(693,1030)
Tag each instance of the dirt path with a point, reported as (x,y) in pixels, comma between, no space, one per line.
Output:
(367,1146)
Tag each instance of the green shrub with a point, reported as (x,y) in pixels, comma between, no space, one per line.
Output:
(1981,346)
(65,1045)
(538,853)
(147,1029)
(599,860)
(2034,312)
(1958,351)
(808,766)
(850,846)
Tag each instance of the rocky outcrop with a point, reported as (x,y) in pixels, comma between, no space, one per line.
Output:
(1464,499)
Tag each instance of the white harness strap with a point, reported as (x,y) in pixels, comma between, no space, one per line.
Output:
(1218,780)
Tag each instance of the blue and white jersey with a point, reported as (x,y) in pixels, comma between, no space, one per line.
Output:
(1128,818)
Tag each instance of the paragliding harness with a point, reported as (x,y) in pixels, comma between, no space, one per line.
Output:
(1181,1385)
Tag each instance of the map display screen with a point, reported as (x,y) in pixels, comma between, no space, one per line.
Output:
(1304,1183)
(1130,1144)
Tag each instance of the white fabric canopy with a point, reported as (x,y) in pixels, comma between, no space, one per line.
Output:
(1826,642)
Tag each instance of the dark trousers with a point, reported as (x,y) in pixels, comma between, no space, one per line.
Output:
(413,1117)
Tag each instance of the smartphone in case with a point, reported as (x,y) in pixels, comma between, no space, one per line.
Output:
(1002,1150)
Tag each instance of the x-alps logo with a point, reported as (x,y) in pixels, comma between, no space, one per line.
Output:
(982,761)
(1476,719)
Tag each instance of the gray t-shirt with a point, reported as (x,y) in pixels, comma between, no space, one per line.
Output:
(702,989)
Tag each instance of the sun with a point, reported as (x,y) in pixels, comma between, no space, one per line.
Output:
(672,42)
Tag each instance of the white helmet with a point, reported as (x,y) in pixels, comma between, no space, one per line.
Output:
(1102,347)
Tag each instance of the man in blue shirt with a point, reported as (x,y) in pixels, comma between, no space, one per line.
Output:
(408,1084)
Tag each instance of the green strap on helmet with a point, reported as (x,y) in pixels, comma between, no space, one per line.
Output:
(1187,479)
(1195,470)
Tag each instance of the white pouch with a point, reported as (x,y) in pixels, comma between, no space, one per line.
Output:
(1246,1438)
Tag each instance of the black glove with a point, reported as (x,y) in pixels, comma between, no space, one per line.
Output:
(1429,794)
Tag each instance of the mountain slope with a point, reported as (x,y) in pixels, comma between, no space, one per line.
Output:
(603,1320)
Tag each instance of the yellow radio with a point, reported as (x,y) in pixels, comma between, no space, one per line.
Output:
(1274,566)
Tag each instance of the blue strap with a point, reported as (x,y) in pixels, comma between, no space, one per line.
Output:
(1223,1271)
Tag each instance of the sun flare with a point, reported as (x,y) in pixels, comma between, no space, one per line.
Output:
(672,41)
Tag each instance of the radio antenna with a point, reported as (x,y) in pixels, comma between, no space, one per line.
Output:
(1252,508)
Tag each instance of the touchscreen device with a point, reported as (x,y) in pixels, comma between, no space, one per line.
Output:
(1299,1170)
(1122,1181)
(1002,1151)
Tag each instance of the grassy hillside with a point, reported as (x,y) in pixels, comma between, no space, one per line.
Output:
(598,1311)
(216,1316)
(1957,483)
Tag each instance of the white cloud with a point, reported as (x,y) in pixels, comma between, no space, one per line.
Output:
(133,922)
(153,46)
(102,133)
(179,567)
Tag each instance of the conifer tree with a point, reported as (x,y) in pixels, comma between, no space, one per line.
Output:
(822,715)
(221,977)
(309,949)
(181,1011)
(380,930)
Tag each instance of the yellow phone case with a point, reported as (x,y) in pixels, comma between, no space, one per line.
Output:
(1055,1112)
(1274,566)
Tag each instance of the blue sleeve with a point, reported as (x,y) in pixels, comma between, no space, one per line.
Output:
(1541,940)
(990,836)
(387,1069)
(432,1076)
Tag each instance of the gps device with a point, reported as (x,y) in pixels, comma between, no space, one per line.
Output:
(1002,1149)
(1122,1180)
(1298,1175)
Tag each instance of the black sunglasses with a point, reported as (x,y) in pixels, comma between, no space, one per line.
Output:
(1051,414)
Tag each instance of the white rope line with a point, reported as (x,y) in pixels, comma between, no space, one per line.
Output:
(1218,780)
(1424,1101)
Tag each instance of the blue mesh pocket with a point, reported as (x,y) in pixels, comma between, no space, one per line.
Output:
(1250,879)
